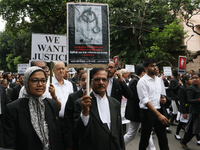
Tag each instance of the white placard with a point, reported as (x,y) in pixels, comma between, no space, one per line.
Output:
(47,47)
(167,71)
(22,68)
(130,68)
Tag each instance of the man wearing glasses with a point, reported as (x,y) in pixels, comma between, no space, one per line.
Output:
(97,116)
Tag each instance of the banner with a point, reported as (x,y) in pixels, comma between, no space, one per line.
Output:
(130,68)
(167,71)
(181,64)
(22,68)
(116,60)
(88,33)
(47,47)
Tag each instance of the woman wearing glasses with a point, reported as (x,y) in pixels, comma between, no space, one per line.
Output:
(31,123)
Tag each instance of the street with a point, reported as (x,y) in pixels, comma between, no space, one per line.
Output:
(173,143)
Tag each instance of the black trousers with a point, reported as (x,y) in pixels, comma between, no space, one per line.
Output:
(148,121)
(189,134)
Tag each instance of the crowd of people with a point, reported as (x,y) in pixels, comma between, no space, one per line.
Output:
(38,115)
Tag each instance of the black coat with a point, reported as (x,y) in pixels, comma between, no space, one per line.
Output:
(16,91)
(174,86)
(96,135)
(120,89)
(4,101)
(18,130)
(193,95)
(69,136)
(184,106)
(132,108)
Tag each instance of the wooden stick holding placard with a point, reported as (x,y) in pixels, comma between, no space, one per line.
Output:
(88,81)
(51,72)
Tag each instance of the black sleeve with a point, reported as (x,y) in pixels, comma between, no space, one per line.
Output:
(126,91)
(69,123)
(10,129)
(191,96)
(182,98)
(80,128)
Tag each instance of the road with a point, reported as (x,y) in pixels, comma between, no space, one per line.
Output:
(173,143)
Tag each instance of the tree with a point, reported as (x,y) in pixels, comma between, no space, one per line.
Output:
(167,41)
(131,24)
(46,16)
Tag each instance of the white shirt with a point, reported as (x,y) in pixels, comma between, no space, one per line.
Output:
(149,90)
(103,109)
(109,88)
(62,93)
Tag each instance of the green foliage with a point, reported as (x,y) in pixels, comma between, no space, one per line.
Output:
(166,41)
(131,24)
(9,60)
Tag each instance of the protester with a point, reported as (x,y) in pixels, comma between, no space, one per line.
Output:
(149,93)
(4,101)
(9,91)
(17,88)
(132,112)
(193,94)
(70,139)
(174,86)
(62,90)
(184,106)
(98,119)
(31,123)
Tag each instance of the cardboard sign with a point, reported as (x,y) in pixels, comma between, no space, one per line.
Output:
(22,68)
(181,64)
(130,68)
(47,47)
(88,33)
(167,71)
(116,60)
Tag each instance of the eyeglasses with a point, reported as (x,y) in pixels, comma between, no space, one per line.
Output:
(36,81)
(98,80)
(111,67)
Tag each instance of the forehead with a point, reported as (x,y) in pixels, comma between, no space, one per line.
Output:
(83,75)
(101,73)
(111,64)
(40,64)
(59,64)
(152,65)
(38,74)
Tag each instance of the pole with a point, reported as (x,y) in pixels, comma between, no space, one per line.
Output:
(88,81)
(51,73)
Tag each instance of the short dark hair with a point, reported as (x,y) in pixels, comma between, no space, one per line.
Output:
(94,71)
(80,75)
(148,61)
(33,63)
(79,69)
(139,69)
(5,75)
(175,73)
(185,77)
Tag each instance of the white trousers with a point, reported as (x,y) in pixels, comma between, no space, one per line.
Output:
(132,132)
(174,108)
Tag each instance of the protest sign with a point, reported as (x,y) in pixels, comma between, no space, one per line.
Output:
(22,68)
(130,68)
(181,64)
(88,34)
(47,47)
(167,71)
